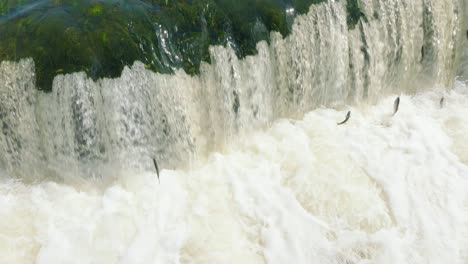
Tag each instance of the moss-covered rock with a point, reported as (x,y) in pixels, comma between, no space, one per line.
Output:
(354,13)
(100,37)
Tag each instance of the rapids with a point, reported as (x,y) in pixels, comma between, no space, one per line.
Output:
(254,168)
(376,190)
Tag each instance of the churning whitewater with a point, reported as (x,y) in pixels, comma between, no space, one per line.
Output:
(378,189)
(252,165)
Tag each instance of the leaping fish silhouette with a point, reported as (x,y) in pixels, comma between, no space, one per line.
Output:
(348,115)
(157,168)
(395,105)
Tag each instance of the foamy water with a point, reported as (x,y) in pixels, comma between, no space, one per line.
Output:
(378,189)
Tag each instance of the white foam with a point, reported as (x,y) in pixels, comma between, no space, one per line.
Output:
(378,189)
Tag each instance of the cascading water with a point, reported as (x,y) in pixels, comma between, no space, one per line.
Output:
(240,184)
(173,117)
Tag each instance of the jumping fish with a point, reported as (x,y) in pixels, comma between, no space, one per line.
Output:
(157,168)
(348,115)
(395,105)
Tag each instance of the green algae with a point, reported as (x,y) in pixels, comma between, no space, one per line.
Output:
(354,13)
(101,37)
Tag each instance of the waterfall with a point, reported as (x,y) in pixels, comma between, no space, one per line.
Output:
(253,167)
(396,47)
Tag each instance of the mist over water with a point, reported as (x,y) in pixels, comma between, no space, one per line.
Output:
(254,167)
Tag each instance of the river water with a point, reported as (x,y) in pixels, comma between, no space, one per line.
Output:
(254,168)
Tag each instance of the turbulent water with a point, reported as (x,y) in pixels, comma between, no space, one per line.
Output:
(377,190)
(254,167)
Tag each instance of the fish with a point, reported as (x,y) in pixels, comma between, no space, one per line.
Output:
(396,104)
(348,115)
(157,168)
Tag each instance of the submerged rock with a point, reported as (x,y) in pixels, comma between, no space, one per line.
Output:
(101,37)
